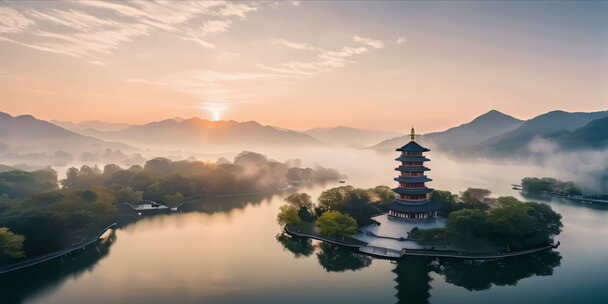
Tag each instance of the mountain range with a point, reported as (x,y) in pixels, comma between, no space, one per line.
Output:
(27,134)
(202,133)
(497,135)
(483,127)
(90,124)
(492,134)
(546,126)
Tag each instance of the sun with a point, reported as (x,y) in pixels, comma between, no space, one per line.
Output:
(215,109)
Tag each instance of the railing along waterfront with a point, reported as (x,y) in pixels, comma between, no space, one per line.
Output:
(54,255)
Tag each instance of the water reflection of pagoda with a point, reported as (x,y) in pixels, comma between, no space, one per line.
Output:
(413,197)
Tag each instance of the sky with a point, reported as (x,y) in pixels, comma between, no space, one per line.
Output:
(302,64)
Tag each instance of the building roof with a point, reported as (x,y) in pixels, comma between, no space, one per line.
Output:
(412,168)
(413,179)
(413,146)
(412,159)
(402,206)
(412,191)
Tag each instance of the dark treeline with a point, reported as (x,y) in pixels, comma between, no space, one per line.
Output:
(536,185)
(477,222)
(32,206)
(250,172)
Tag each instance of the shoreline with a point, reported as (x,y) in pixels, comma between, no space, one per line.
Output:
(393,254)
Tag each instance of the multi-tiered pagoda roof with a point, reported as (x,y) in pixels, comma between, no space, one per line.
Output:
(413,197)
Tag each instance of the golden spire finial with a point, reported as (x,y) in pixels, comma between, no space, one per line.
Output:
(413,134)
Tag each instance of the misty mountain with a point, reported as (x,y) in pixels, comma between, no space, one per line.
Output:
(5,168)
(593,135)
(97,125)
(201,133)
(517,142)
(350,137)
(483,127)
(27,134)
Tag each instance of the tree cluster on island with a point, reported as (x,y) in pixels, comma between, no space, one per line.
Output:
(534,185)
(477,222)
(37,216)
(339,211)
(474,220)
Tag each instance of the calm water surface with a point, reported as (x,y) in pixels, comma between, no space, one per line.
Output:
(230,251)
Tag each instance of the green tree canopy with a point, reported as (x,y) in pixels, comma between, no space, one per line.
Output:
(336,224)
(11,244)
(174,200)
(355,202)
(300,200)
(288,215)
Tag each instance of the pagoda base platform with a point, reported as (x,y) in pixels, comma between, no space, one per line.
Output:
(413,211)
(390,229)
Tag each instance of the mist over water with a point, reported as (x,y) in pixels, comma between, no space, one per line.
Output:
(227,251)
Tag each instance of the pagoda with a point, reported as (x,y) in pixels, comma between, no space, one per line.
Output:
(413,197)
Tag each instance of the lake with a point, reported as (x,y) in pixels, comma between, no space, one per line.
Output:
(229,250)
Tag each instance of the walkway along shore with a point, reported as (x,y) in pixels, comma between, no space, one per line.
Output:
(389,253)
(54,255)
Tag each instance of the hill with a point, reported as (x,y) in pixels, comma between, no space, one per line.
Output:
(196,132)
(481,128)
(593,135)
(97,125)
(27,134)
(350,137)
(516,142)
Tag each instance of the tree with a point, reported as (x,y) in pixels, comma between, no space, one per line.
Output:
(348,200)
(110,169)
(304,204)
(288,216)
(11,244)
(336,224)
(174,200)
(474,198)
(300,200)
(128,195)
(446,201)
(466,227)
(382,195)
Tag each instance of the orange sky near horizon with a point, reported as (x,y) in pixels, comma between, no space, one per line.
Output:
(302,64)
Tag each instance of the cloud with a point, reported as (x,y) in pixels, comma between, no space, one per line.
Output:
(324,61)
(12,21)
(400,40)
(295,45)
(237,9)
(377,44)
(97,62)
(90,28)
(216,26)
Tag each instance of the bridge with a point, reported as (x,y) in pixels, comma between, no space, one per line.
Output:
(54,255)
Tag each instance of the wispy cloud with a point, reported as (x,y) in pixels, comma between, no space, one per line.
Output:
(12,21)
(377,44)
(85,29)
(324,61)
(400,40)
(295,45)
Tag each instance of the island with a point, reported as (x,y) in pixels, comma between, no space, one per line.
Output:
(548,186)
(413,220)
